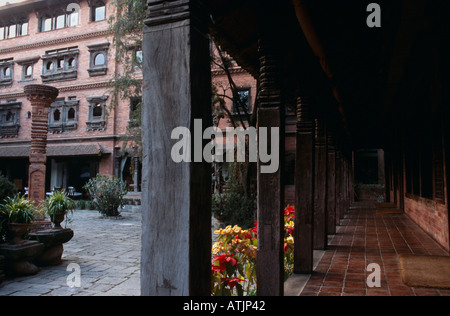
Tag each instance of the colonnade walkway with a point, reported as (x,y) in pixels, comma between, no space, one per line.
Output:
(363,238)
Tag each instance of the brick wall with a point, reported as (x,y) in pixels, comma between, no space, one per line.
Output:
(431,216)
(36,44)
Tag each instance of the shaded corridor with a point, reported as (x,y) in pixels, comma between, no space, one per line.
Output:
(364,238)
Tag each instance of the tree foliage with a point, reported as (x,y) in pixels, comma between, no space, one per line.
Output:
(126,27)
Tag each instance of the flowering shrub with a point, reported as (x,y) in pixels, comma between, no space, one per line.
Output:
(234,262)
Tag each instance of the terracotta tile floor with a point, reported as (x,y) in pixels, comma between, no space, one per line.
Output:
(364,238)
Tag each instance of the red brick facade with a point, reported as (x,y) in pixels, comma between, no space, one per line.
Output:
(81,84)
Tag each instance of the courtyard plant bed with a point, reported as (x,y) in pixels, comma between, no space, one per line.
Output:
(234,258)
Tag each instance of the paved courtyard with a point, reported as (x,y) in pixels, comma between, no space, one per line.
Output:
(107,252)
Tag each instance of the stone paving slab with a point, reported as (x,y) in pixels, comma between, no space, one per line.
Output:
(107,252)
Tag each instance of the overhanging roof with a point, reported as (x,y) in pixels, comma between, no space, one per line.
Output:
(377,71)
(56,151)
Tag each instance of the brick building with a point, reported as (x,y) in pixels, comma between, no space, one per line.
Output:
(65,44)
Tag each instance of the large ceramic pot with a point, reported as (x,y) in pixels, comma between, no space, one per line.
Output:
(16,232)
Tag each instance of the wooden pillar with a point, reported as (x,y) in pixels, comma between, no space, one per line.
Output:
(176,196)
(339,189)
(331,185)
(345,186)
(320,187)
(40,97)
(271,114)
(304,189)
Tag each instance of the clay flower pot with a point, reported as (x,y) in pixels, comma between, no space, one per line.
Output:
(17,231)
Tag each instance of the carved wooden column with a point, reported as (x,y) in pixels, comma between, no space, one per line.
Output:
(176,197)
(331,185)
(40,97)
(271,114)
(304,189)
(320,187)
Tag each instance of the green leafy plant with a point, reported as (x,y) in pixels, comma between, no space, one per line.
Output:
(15,210)
(7,188)
(234,206)
(19,210)
(107,194)
(80,204)
(58,204)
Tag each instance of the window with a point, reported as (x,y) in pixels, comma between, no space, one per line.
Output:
(71,114)
(98,12)
(60,65)
(6,72)
(72,18)
(57,116)
(9,118)
(27,68)
(97,113)
(138,58)
(63,115)
(135,111)
(14,29)
(46,23)
(244,96)
(28,71)
(99,60)
(98,65)
(58,20)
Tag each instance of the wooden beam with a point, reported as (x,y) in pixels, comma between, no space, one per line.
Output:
(176,197)
(304,189)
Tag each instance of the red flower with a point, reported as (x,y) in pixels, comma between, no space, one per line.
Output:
(255,229)
(219,263)
(289,213)
(289,230)
(232,282)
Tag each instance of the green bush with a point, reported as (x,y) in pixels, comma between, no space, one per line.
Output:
(7,188)
(234,207)
(80,204)
(108,195)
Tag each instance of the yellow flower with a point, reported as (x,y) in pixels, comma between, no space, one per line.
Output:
(237,229)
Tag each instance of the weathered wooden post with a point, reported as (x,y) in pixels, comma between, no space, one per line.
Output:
(304,189)
(331,185)
(271,113)
(176,197)
(40,97)
(339,189)
(320,187)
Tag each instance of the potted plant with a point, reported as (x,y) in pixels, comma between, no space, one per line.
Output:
(17,213)
(57,206)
